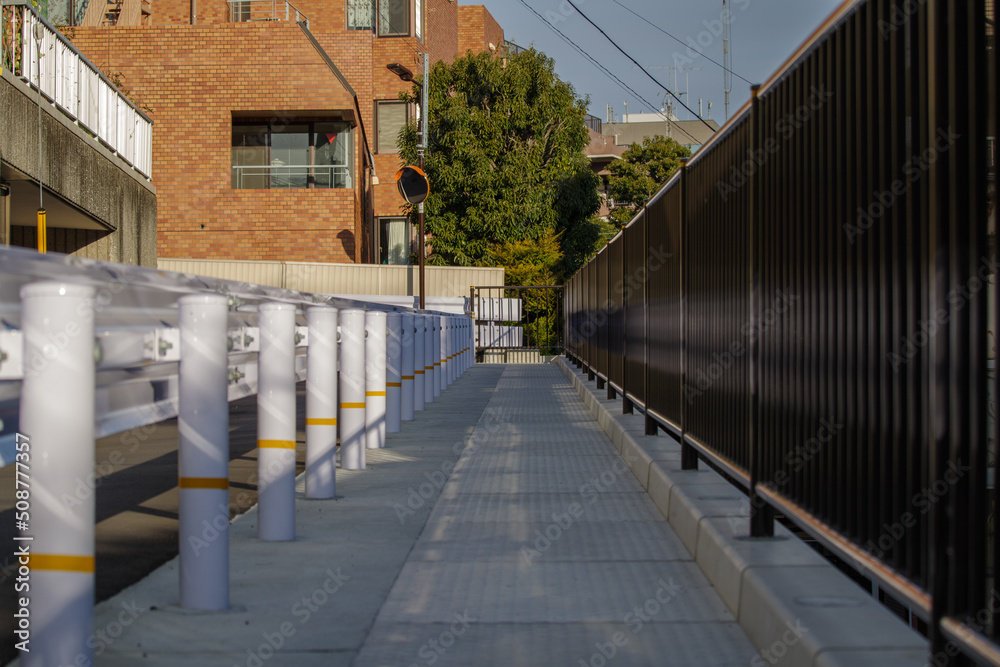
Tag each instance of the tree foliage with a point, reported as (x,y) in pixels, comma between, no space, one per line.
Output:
(640,172)
(509,178)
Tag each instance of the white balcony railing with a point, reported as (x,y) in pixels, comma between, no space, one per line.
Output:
(244,11)
(291,176)
(41,56)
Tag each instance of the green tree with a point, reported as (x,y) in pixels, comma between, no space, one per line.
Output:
(640,172)
(506,164)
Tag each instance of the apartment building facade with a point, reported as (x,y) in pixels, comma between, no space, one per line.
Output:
(275,123)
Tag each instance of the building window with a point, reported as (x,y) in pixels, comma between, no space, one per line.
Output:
(390,119)
(304,154)
(393,18)
(360,14)
(393,241)
(418,19)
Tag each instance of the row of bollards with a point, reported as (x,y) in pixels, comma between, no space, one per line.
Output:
(366,373)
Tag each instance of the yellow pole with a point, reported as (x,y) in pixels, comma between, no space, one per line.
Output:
(42,245)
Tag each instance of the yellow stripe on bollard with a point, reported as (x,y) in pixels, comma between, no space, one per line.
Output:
(394,384)
(418,372)
(352,406)
(376,393)
(407,377)
(203,483)
(61,563)
(430,368)
(321,422)
(276,444)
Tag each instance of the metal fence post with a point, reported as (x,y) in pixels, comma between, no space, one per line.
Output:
(203,457)
(321,403)
(406,393)
(689,456)
(57,321)
(393,372)
(375,337)
(352,389)
(276,423)
(761,515)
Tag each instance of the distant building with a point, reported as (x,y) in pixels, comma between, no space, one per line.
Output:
(638,126)
(602,151)
(276,122)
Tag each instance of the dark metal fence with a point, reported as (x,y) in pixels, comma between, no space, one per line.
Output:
(804,306)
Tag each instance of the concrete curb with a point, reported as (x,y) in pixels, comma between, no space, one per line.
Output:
(795,607)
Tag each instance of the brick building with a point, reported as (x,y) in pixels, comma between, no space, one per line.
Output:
(275,124)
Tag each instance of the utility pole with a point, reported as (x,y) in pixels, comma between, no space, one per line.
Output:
(727,54)
(421,148)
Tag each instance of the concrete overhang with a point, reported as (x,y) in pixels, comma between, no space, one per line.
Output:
(59,212)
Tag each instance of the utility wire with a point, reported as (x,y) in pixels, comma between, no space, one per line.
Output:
(636,62)
(605,70)
(677,39)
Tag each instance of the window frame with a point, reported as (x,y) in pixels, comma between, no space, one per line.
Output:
(408,29)
(311,123)
(372,18)
(379,222)
(378,123)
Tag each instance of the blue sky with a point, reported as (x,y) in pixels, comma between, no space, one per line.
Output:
(764,34)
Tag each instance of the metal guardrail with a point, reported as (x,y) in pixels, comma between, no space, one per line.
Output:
(74,84)
(90,349)
(804,306)
(292,176)
(243,11)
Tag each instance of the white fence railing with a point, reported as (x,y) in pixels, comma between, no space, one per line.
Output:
(90,349)
(243,11)
(41,56)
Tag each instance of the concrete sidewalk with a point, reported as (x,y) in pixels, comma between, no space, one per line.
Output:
(500,528)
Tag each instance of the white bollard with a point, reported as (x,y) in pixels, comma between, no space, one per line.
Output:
(203,459)
(393,372)
(55,456)
(436,339)
(276,423)
(428,358)
(406,395)
(375,323)
(321,403)
(445,361)
(352,389)
(419,372)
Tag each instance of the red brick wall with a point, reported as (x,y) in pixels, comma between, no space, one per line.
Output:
(477,29)
(194,77)
(442,30)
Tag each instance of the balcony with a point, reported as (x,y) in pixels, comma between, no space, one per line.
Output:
(262,177)
(245,11)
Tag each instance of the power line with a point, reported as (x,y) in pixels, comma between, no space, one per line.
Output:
(678,40)
(605,70)
(636,62)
